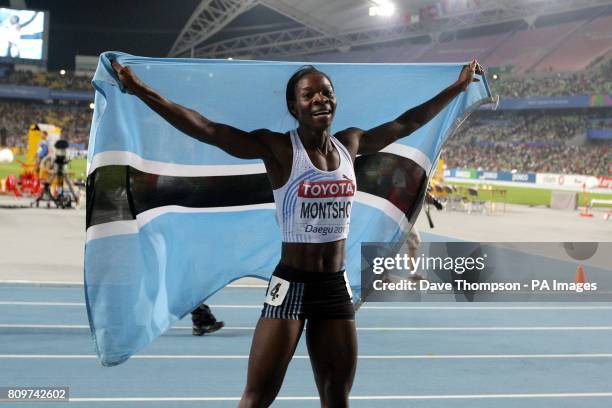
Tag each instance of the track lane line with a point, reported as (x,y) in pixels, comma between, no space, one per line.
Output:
(361,397)
(387,329)
(258,306)
(305,357)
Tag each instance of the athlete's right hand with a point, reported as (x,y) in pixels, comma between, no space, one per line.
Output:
(128,78)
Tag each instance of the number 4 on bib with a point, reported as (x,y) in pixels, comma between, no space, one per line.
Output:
(277,290)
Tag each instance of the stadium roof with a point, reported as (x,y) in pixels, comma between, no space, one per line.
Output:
(264,29)
(295,27)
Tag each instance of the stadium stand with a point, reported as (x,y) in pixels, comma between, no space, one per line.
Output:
(51,80)
(463,49)
(581,48)
(524,158)
(595,81)
(17,116)
(531,142)
(568,46)
(385,53)
(523,49)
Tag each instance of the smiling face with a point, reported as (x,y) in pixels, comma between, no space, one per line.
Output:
(314,105)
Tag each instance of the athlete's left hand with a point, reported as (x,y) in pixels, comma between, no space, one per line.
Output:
(466,77)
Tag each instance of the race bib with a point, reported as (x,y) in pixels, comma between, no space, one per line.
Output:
(277,290)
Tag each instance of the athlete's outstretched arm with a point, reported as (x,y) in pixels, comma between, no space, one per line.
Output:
(234,141)
(375,139)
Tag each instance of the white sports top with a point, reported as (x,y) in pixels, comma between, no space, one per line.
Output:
(314,206)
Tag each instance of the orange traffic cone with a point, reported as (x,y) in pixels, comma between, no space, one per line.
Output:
(580,277)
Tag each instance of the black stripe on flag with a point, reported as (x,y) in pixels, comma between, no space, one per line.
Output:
(119,193)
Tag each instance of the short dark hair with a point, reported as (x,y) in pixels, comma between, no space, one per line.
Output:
(299,74)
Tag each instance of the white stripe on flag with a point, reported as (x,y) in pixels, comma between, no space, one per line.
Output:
(122,158)
(110,229)
(132,226)
(411,153)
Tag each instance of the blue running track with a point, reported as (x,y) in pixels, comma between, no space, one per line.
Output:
(410,355)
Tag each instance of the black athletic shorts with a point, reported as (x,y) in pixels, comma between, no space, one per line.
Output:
(296,294)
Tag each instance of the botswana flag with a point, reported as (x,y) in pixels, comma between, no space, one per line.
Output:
(170,220)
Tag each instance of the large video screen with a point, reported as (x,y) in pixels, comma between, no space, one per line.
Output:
(23,34)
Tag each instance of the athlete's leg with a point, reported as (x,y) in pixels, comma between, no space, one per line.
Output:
(332,346)
(274,343)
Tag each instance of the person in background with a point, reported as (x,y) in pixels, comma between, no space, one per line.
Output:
(204,322)
(13,35)
(42,151)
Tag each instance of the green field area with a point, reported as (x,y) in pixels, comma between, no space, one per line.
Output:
(529,196)
(76,167)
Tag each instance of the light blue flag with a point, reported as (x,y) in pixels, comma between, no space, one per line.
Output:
(170,220)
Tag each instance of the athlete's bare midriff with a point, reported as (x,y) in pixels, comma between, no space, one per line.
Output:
(325,257)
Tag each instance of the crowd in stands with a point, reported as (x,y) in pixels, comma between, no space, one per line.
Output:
(559,159)
(595,81)
(600,123)
(525,128)
(52,80)
(16,118)
(529,143)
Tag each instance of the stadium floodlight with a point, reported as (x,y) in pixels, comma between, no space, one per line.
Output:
(382,8)
(6,156)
